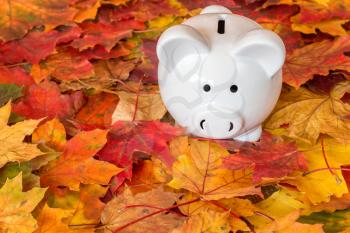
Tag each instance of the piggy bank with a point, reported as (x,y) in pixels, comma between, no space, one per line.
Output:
(220,74)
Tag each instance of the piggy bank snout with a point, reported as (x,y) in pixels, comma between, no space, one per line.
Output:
(216,124)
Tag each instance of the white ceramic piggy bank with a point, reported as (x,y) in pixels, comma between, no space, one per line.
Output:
(220,74)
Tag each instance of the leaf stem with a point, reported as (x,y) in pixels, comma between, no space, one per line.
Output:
(324,169)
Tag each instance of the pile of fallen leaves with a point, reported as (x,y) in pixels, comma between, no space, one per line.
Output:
(86,144)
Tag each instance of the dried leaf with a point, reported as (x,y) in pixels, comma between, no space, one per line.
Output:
(200,171)
(309,114)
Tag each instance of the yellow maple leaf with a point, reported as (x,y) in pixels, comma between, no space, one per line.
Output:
(51,133)
(16,206)
(207,221)
(12,147)
(309,114)
(320,185)
(288,224)
(121,213)
(149,106)
(50,221)
(200,171)
(86,11)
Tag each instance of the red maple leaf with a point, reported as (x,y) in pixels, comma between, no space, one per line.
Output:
(193,4)
(15,75)
(105,33)
(36,46)
(125,138)
(141,10)
(45,100)
(268,158)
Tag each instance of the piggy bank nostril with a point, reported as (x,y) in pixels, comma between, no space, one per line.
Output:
(231,126)
(202,124)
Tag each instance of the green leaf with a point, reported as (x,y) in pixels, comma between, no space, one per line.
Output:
(9,91)
(333,222)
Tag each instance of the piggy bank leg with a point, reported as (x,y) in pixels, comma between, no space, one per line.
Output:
(250,136)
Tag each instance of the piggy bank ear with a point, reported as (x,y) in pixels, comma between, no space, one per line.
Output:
(264,47)
(181,44)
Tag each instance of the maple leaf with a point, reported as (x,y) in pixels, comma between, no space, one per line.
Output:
(141,10)
(11,139)
(309,114)
(288,224)
(64,66)
(87,10)
(326,16)
(332,222)
(15,213)
(18,16)
(199,171)
(122,212)
(317,58)
(139,106)
(9,92)
(89,207)
(45,100)
(76,164)
(268,157)
(51,133)
(124,138)
(207,221)
(15,75)
(319,184)
(36,45)
(98,111)
(105,34)
(193,4)
(50,221)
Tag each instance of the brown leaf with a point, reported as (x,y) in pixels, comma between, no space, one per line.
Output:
(122,212)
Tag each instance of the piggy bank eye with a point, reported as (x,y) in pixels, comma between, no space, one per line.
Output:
(234,88)
(206,88)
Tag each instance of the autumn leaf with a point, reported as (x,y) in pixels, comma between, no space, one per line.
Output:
(15,75)
(9,92)
(125,138)
(332,222)
(11,139)
(50,220)
(326,16)
(15,213)
(141,11)
(45,100)
(51,133)
(268,158)
(87,10)
(64,66)
(200,171)
(320,185)
(36,45)
(288,224)
(18,16)
(309,114)
(206,222)
(125,212)
(317,58)
(98,111)
(89,208)
(139,106)
(201,4)
(76,164)
(105,34)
